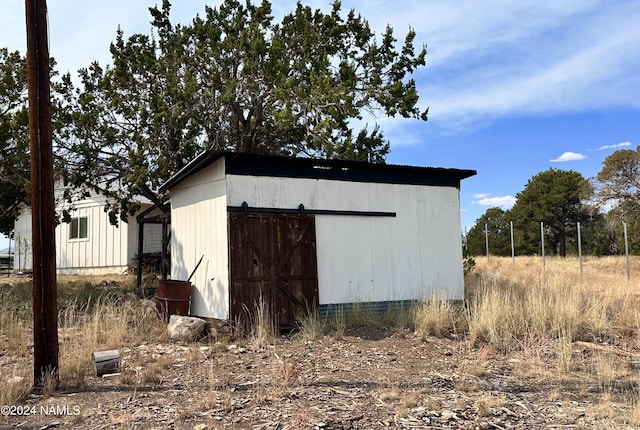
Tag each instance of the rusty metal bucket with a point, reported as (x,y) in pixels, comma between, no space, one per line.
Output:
(173,298)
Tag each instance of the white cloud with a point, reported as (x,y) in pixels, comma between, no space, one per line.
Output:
(616,146)
(504,202)
(486,59)
(552,63)
(568,156)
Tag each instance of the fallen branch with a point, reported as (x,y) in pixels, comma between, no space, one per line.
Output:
(606,348)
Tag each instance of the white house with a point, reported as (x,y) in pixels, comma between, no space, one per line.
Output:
(89,244)
(6,259)
(303,232)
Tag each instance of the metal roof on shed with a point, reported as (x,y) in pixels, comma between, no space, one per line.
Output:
(314,168)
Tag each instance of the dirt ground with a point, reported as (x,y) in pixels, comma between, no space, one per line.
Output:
(376,378)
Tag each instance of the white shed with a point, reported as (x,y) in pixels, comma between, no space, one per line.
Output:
(304,232)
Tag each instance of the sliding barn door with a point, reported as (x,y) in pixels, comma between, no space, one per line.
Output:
(272,258)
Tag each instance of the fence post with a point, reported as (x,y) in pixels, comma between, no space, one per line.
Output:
(626,249)
(486,239)
(542,241)
(513,250)
(579,249)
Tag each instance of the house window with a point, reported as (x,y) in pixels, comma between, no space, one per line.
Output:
(79,228)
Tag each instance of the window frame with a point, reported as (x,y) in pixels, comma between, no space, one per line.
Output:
(75,233)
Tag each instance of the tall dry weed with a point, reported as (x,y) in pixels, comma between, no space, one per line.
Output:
(16,317)
(286,373)
(495,314)
(565,350)
(437,317)
(16,331)
(263,324)
(338,323)
(311,325)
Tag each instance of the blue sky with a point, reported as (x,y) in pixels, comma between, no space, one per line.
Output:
(513,88)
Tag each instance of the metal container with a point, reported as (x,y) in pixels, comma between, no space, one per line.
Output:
(173,298)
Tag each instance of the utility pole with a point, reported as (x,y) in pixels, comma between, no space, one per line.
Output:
(45,294)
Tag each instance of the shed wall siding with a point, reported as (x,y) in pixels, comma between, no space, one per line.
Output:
(105,247)
(103,251)
(411,256)
(199,227)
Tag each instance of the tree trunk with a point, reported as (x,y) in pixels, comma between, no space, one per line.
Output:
(563,243)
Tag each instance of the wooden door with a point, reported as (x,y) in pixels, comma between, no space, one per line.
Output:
(273,258)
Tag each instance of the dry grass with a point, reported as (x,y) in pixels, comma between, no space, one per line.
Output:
(486,402)
(109,322)
(519,307)
(311,326)
(338,324)
(262,324)
(94,315)
(508,304)
(540,315)
(389,396)
(285,374)
(16,316)
(15,389)
(438,317)
(534,315)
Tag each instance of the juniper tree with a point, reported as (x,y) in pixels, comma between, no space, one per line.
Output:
(234,79)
